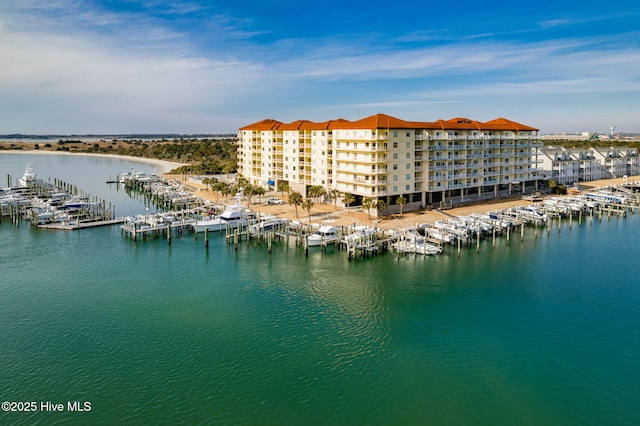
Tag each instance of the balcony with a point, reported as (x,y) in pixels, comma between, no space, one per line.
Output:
(456,186)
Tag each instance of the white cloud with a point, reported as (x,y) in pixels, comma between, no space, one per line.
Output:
(98,65)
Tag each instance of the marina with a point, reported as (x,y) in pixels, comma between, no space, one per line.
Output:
(53,204)
(238,222)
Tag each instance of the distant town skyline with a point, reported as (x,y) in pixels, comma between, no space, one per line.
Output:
(154,67)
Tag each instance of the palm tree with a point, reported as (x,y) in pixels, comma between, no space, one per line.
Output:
(307,204)
(249,190)
(295,198)
(381,205)
(334,194)
(348,198)
(259,191)
(215,187)
(206,182)
(241,181)
(283,187)
(367,203)
(401,201)
(226,189)
(316,191)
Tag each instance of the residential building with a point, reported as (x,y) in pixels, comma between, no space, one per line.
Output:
(383,157)
(618,161)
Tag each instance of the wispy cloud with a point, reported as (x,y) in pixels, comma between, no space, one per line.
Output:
(76,58)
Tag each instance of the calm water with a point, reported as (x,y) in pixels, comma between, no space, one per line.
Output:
(539,332)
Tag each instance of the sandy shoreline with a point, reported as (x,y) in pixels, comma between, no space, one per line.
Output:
(161,166)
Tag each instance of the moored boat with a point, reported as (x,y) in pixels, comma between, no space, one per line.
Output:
(233,217)
(324,235)
(27,178)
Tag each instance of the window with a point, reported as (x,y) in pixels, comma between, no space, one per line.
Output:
(408,135)
(408,166)
(395,155)
(395,188)
(408,144)
(408,187)
(395,144)
(407,176)
(395,178)
(395,133)
(395,167)
(408,155)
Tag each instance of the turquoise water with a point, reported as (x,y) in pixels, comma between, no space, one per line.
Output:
(540,331)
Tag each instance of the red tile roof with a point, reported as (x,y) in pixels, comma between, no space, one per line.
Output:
(266,124)
(384,121)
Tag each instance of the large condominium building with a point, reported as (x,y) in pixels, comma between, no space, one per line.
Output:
(382,157)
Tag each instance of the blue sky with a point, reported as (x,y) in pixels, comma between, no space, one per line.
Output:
(152,66)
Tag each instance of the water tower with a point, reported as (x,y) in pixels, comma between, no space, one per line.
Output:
(611,129)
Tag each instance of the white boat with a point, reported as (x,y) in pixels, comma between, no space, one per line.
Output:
(324,235)
(41,215)
(58,198)
(28,178)
(232,217)
(531,213)
(608,197)
(137,176)
(361,234)
(267,224)
(76,203)
(413,242)
(14,199)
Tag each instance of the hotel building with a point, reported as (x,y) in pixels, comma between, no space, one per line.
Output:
(382,158)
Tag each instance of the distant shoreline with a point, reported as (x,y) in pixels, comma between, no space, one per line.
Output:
(162,166)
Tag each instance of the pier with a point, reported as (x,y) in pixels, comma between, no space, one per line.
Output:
(451,233)
(59,205)
(54,205)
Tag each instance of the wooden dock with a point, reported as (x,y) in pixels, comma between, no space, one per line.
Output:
(71,226)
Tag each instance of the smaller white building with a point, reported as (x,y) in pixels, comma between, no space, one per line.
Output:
(615,160)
